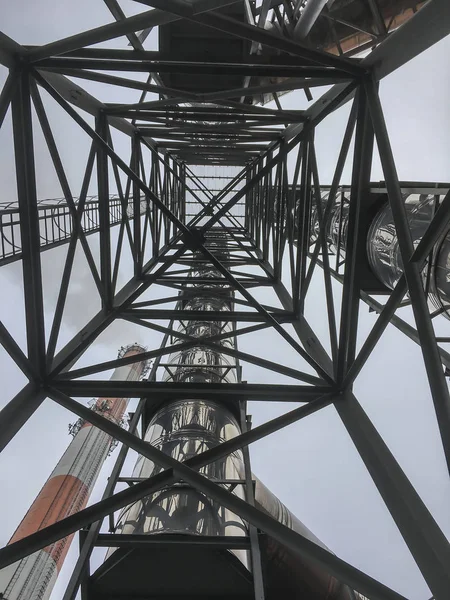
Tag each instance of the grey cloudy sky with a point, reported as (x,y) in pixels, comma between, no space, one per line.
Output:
(312,466)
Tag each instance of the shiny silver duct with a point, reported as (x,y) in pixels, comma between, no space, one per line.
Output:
(184,429)
(188,427)
(383,250)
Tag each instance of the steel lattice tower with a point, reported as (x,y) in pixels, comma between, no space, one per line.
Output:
(219,197)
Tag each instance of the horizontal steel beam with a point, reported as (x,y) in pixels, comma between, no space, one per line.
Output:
(151,66)
(122,540)
(207,315)
(174,391)
(132,480)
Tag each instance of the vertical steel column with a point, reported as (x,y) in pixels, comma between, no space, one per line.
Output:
(430,351)
(258,582)
(322,238)
(303,227)
(29,222)
(103,212)
(16,413)
(425,540)
(362,164)
(136,156)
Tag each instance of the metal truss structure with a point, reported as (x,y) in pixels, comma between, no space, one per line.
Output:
(206,156)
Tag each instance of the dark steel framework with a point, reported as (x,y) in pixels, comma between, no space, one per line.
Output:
(162,213)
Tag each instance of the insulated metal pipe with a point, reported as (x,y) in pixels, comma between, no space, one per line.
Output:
(383,250)
(308,17)
(187,427)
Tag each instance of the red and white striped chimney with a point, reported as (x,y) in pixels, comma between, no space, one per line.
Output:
(66,491)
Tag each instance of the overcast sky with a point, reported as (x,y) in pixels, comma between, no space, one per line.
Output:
(312,466)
